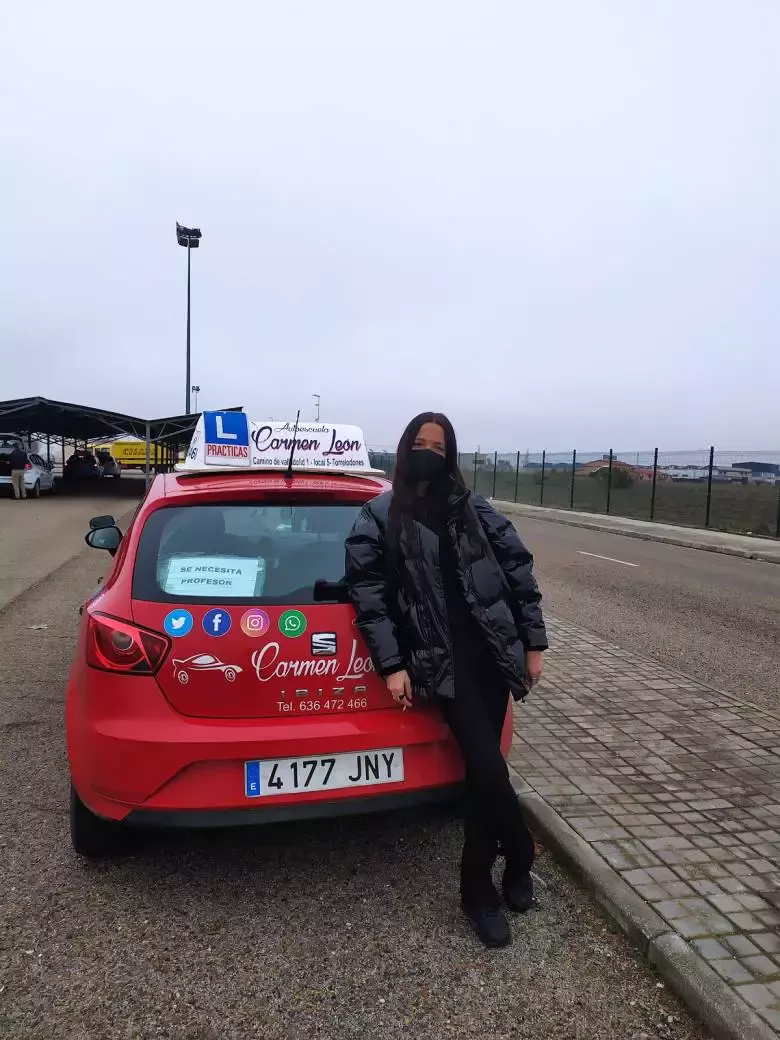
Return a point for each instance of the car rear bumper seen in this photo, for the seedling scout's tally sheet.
(29, 483)
(296, 811)
(133, 756)
(145, 762)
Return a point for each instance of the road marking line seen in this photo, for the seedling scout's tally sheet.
(610, 558)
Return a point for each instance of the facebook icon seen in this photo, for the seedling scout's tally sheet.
(216, 622)
(226, 438)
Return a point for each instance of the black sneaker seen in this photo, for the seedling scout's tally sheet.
(518, 891)
(490, 924)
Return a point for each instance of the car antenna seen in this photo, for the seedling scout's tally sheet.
(289, 471)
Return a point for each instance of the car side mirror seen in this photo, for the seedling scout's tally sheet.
(101, 521)
(331, 591)
(108, 538)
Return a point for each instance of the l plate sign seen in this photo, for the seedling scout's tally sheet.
(226, 438)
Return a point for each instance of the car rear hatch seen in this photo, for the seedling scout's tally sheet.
(233, 586)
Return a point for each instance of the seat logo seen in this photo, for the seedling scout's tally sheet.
(323, 644)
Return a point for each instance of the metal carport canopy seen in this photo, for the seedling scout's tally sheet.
(39, 415)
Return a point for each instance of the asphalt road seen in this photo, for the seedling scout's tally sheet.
(711, 616)
(341, 930)
(39, 535)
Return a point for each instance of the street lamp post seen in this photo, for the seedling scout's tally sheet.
(317, 407)
(196, 391)
(190, 239)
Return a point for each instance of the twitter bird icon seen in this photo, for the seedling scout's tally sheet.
(178, 623)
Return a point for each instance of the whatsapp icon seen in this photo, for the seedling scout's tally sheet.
(292, 623)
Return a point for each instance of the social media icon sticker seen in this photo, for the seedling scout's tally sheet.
(178, 623)
(292, 623)
(255, 623)
(217, 622)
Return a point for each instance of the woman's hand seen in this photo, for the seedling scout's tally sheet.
(534, 666)
(400, 688)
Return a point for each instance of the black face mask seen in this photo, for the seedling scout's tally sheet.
(425, 464)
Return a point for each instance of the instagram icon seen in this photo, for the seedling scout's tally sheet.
(255, 623)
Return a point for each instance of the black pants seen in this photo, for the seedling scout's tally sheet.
(494, 819)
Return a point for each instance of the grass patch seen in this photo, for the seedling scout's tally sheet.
(738, 508)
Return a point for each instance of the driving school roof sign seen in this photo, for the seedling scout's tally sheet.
(230, 439)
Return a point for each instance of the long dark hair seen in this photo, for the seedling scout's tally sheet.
(403, 489)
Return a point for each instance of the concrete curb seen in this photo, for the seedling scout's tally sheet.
(539, 513)
(713, 1000)
(708, 996)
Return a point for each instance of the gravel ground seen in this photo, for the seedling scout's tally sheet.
(342, 930)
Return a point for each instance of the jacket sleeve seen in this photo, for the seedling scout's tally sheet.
(517, 564)
(366, 551)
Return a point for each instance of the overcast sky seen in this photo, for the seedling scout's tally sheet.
(557, 221)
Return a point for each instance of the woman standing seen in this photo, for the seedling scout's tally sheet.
(450, 610)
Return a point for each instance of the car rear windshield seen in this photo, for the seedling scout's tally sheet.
(241, 553)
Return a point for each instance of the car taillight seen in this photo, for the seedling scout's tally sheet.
(28, 465)
(118, 646)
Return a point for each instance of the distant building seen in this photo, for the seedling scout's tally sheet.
(722, 474)
(760, 472)
(637, 472)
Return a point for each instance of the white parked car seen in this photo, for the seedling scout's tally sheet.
(38, 476)
(109, 466)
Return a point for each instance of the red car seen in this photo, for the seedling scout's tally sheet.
(219, 677)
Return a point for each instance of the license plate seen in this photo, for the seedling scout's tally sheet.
(264, 779)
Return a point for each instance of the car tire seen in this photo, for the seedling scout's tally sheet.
(92, 836)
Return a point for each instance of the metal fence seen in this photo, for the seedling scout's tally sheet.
(736, 491)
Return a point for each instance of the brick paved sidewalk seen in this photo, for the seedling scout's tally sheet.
(677, 787)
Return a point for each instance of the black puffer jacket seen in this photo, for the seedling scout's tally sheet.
(403, 616)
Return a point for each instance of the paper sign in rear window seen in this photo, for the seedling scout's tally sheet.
(214, 576)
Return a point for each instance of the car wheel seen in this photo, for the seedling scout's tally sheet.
(183, 678)
(92, 836)
(230, 674)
